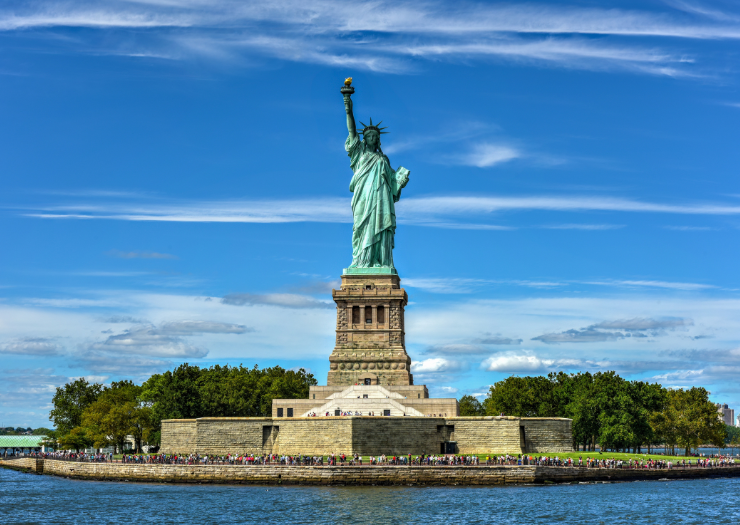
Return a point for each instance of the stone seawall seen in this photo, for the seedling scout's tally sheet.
(26, 464)
(364, 475)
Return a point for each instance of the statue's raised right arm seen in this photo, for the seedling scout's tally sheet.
(351, 127)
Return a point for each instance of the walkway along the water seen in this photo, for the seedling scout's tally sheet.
(355, 475)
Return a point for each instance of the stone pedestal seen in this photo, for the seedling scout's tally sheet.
(370, 346)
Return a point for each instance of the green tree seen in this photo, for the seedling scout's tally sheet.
(51, 440)
(70, 401)
(220, 391)
(77, 439)
(695, 418)
(583, 408)
(733, 437)
(522, 397)
(174, 395)
(116, 414)
(41, 431)
(732, 432)
(470, 406)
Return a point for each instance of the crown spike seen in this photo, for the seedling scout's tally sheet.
(371, 121)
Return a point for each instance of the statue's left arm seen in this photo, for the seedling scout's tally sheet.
(399, 178)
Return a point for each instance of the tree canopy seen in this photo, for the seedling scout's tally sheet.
(70, 401)
(612, 411)
(470, 406)
(93, 415)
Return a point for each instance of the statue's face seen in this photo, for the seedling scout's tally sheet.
(372, 139)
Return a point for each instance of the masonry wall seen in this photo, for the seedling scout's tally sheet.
(482, 435)
(439, 406)
(548, 434)
(228, 435)
(365, 435)
(397, 435)
(314, 435)
(365, 475)
(179, 435)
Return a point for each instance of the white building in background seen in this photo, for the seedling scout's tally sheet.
(726, 414)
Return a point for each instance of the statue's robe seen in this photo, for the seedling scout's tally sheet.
(376, 187)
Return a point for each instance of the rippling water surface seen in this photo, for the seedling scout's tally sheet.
(28, 498)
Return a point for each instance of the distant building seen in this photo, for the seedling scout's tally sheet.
(726, 413)
(12, 445)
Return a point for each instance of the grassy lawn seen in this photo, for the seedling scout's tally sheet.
(616, 455)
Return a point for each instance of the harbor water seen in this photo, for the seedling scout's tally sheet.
(30, 499)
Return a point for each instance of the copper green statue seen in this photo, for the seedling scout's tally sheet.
(376, 187)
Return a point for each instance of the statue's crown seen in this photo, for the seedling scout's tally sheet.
(372, 127)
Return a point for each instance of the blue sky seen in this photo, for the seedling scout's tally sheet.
(175, 187)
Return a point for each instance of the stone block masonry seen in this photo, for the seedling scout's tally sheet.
(370, 335)
(366, 435)
(364, 475)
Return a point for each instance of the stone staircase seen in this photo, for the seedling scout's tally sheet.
(352, 399)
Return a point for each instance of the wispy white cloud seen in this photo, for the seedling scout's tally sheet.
(689, 228)
(667, 321)
(30, 390)
(702, 9)
(654, 284)
(284, 300)
(460, 285)
(140, 255)
(530, 362)
(361, 16)
(615, 330)
(383, 35)
(431, 210)
(516, 363)
(257, 211)
(454, 132)
(487, 155)
(436, 365)
(158, 325)
(490, 204)
(37, 346)
(587, 227)
(103, 273)
(166, 340)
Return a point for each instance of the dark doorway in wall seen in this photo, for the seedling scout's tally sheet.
(266, 434)
(381, 315)
(523, 439)
(355, 315)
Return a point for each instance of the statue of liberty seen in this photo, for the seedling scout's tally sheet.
(376, 187)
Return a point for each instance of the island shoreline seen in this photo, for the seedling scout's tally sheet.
(385, 475)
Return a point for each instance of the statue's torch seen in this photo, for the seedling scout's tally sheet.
(347, 89)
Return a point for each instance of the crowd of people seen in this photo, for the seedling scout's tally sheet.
(715, 461)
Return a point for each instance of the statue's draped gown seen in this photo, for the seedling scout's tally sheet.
(376, 187)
